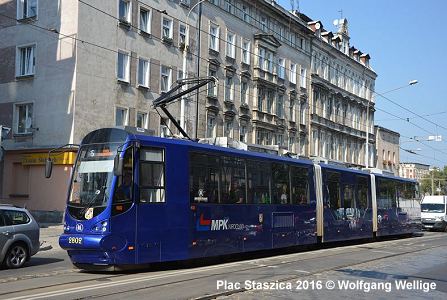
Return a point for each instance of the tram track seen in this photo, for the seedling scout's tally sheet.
(114, 280)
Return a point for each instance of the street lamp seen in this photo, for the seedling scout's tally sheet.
(185, 64)
(411, 82)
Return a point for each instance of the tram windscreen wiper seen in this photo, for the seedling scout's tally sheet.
(92, 201)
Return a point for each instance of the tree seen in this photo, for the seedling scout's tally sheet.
(435, 182)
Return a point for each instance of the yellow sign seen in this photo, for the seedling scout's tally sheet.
(67, 158)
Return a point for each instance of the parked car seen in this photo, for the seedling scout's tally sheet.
(19, 236)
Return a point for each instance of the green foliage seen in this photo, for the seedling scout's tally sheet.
(439, 179)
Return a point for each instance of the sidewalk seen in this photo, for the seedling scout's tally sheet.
(49, 237)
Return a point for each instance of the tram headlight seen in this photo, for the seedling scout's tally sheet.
(102, 226)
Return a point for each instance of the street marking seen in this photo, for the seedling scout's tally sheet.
(302, 271)
(383, 251)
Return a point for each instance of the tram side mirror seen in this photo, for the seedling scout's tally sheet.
(48, 167)
(118, 165)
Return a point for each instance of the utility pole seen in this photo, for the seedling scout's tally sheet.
(432, 184)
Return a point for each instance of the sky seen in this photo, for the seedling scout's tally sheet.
(406, 41)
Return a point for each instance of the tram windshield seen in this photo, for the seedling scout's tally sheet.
(93, 174)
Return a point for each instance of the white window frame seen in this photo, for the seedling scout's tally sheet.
(212, 87)
(261, 57)
(231, 45)
(303, 77)
(229, 6)
(21, 14)
(149, 21)
(169, 78)
(292, 78)
(180, 33)
(281, 68)
(243, 133)
(244, 94)
(229, 90)
(214, 46)
(245, 9)
(146, 75)
(145, 119)
(170, 28)
(210, 130)
(28, 129)
(264, 25)
(245, 51)
(19, 60)
(126, 70)
(229, 128)
(126, 115)
(128, 17)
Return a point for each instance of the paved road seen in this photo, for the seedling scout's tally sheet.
(369, 270)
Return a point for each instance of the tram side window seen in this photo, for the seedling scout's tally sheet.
(152, 176)
(124, 184)
(386, 194)
(259, 179)
(233, 180)
(350, 208)
(363, 197)
(280, 188)
(300, 186)
(332, 201)
(204, 178)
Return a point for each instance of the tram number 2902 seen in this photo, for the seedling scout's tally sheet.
(75, 240)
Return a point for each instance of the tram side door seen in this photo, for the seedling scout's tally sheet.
(151, 204)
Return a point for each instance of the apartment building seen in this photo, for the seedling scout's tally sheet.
(342, 97)
(260, 53)
(387, 154)
(414, 170)
(69, 67)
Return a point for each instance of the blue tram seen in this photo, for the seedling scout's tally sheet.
(136, 199)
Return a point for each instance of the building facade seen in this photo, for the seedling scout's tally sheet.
(415, 171)
(69, 67)
(261, 55)
(341, 98)
(387, 153)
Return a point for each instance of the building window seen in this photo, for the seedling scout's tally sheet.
(212, 87)
(145, 20)
(143, 72)
(124, 11)
(211, 127)
(26, 60)
(280, 106)
(142, 120)
(291, 143)
(292, 110)
(182, 34)
(293, 73)
(303, 77)
(166, 28)
(270, 100)
(229, 89)
(261, 95)
(24, 118)
(245, 13)
(231, 45)
(263, 22)
(244, 92)
(166, 77)
(243, 133)
(123, 68)
(246, 52)
(214, 38)
(261, 53)
(269, 62)
(121, 116)
(229, 5)
(26, 9)
(228, 128)
(281, 68)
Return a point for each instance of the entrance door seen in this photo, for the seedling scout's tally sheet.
(151, 208)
